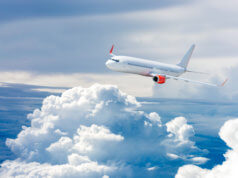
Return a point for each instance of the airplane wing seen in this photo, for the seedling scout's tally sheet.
(193, 81)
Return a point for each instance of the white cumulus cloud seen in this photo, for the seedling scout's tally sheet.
(228, 169)
(178, 143)
(179, 134)
(22, 169)
(95, 132)
(179, 129)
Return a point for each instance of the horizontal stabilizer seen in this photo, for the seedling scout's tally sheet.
(196, 72)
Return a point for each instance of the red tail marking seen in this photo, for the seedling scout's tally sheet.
(111, 49)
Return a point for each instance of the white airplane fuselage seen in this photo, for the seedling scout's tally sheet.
(142, 67)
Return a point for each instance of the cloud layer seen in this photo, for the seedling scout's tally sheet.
(98, 131)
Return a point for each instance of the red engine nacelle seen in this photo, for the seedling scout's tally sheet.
(160, 79)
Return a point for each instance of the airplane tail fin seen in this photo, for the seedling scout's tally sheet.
(184, 62)
(111, 51)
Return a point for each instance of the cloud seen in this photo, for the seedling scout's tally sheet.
(195, 160)
(47, 82)
(34, 169)
(48, 44)
(179, 134)
(199, 160)
(93, 132)
(180, 130)
(228, 168)
(154, 118)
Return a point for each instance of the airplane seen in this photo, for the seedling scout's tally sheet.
(159, 72)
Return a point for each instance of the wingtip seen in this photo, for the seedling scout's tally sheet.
(223, 83)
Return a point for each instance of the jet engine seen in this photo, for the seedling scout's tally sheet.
(160, 79)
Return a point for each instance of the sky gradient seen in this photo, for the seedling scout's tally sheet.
(74, 38)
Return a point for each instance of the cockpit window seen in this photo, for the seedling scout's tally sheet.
(116, 60)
